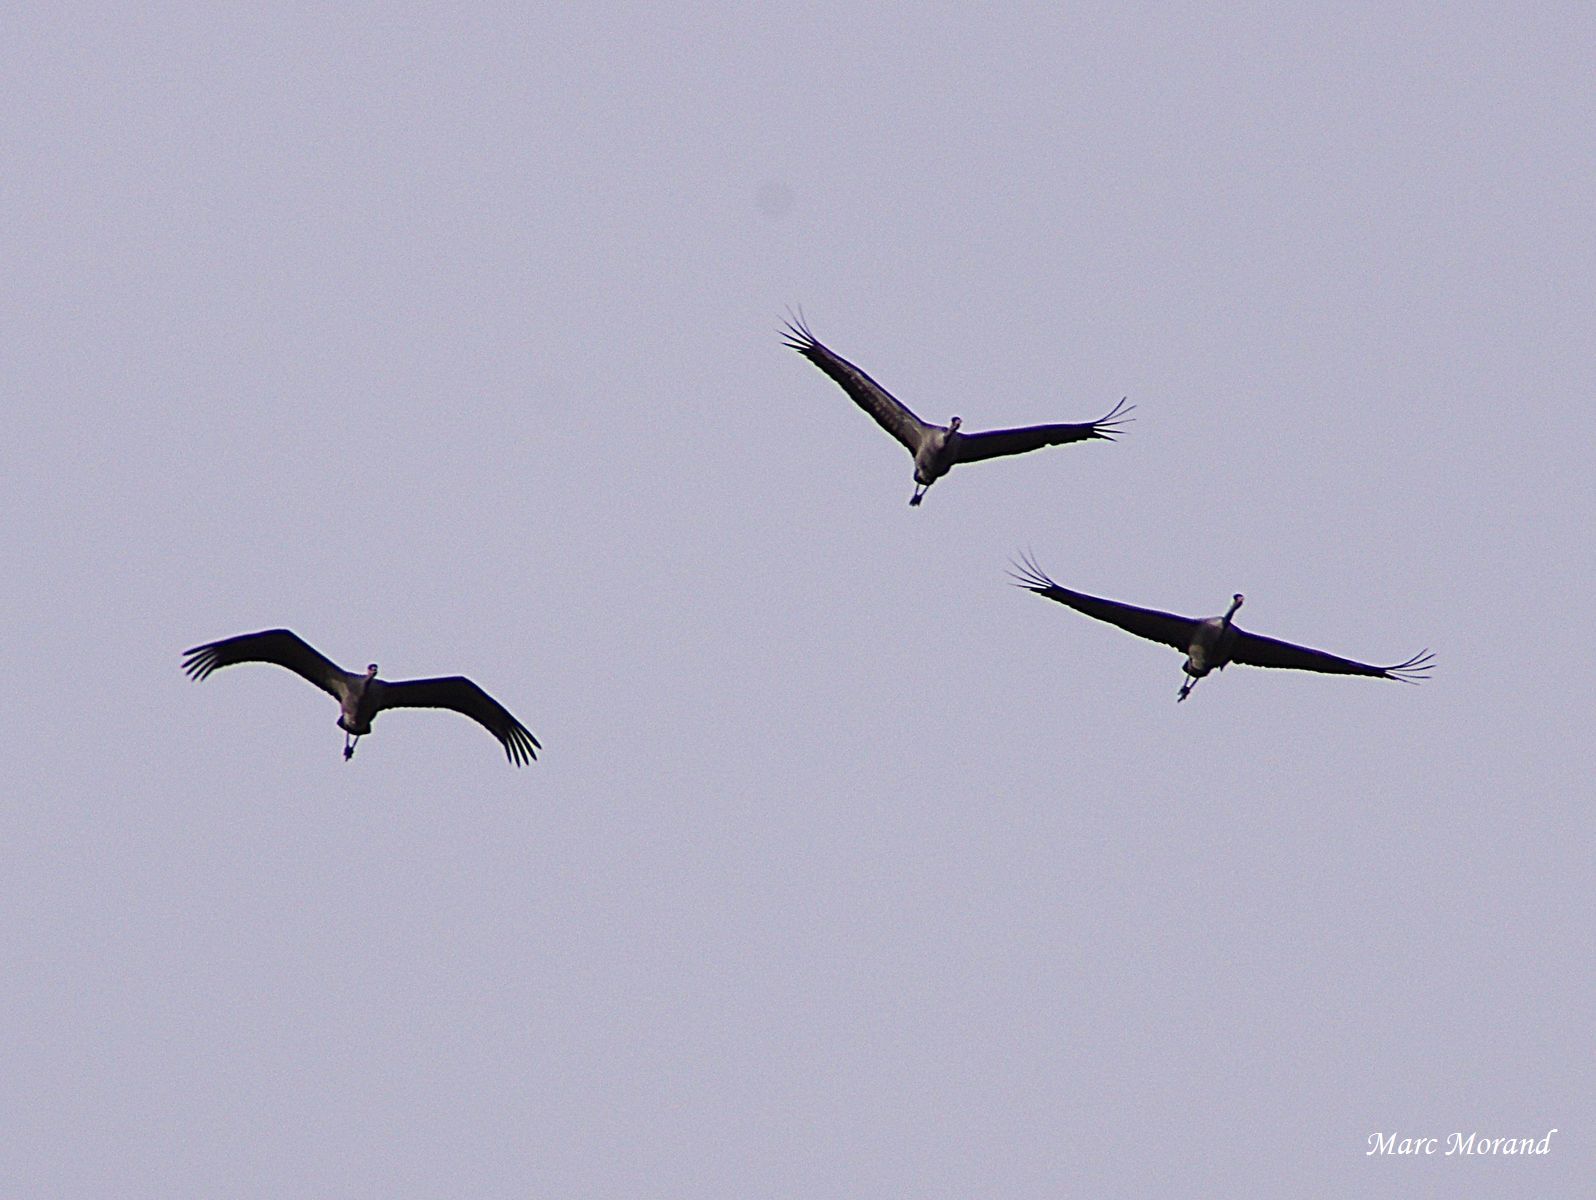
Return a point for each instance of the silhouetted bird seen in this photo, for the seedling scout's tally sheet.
(1213, 643)
(362, 697)
(938, 448)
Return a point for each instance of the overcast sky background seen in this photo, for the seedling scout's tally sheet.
(451, 341)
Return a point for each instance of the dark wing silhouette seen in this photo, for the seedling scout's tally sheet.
(460, 694)
(1255, 650)
(973, 447)
(1143, 622)
(280, 646)
(866, 392)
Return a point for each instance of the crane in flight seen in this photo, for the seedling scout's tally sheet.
(938, 448)
(1212, 643)
(362, 696)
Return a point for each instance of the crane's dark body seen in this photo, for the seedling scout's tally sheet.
(1212, 643)
(937, 449)
(362, 696)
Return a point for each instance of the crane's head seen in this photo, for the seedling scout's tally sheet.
(954, 423)
(1236, 602)
(371, 670)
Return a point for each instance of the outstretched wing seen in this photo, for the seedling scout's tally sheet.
(280, 646)
(1255, 650)
(1149, 623)
(994, 443)
(460, 694)
(869, 395)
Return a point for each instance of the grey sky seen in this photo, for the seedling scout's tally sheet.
(452, 342)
